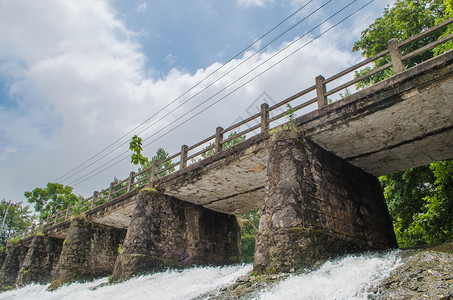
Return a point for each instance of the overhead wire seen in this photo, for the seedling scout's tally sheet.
(66, 177)
(206, 87)
(242, 85)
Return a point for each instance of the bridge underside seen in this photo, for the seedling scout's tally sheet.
(402, 122)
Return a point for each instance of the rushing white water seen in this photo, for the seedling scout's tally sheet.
(346, 278)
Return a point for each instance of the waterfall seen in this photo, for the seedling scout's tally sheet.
(347, 278)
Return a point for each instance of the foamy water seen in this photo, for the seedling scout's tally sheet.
(346, 278)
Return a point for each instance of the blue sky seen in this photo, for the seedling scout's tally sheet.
(77, 75)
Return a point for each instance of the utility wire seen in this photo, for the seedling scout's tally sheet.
(205, 88)
(236, 89)
(179, 97)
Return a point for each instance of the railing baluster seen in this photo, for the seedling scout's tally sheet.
(321, 91)
(153, 176)
(183, 159)
(93, 201)
(264, 117)
(218, 139)
(110, 191)
(131, 181)
(395, 54)
(68, 209)
(56, 217)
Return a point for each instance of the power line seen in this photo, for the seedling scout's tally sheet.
(204, 88)
(179, 97)
(80, 180)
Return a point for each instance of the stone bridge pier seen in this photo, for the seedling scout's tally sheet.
(166, 232)
(316, 206)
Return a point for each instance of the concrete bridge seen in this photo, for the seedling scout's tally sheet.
(314, 181)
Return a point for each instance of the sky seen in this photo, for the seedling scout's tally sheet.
(78, 76)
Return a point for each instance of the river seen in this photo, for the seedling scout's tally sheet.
(349, 277)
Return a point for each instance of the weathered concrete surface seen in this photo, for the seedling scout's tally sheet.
(316, 206)
(89, 251)
(117, 213)
(166, 232)
(11, 266)
(231, 181)
(402, 122)
(42, 257)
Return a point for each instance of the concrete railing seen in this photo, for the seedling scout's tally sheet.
(263, 121)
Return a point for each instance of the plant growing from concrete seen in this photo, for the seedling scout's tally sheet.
(291, 115)
(78, 211)
(120, 249)
(15, 240)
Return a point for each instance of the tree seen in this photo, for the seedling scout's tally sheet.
(18, 218)
(250, 222)
(137, 158)
(53, 197)
(420, 200)
(405, 19)
(136, 146)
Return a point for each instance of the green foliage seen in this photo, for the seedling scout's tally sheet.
(291, 115)
(250, 222)
(420, 203)
(15, 240)
(405, 19)
(137, 158)
(52, 198)
(136, 146)
(120, 249)
(161, 155)
(17, 218)
(78, 209)
(226, 145)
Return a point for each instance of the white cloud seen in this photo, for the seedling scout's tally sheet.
(251, 3)
(142, 7)
(170, 59)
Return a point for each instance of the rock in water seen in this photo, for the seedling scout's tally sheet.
(425, 274)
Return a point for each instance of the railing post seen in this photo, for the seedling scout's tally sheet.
(131, 181)
(218, 139)
(93, 201)
(183, 159)
(56, 217)
(397, 57)
(321, 91)
(153, 174)
(68, 209)
(110, 191)
(264, 117)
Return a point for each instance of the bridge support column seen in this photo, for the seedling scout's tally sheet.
(89, 251)
(12, 264)
(41, 259)
(166, 232)
(316, 206)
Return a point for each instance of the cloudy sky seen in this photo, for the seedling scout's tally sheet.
(78, 76)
